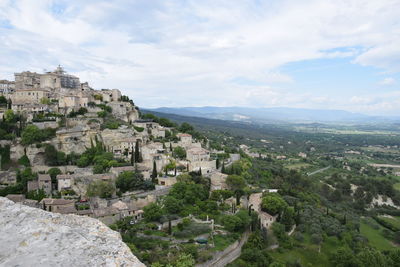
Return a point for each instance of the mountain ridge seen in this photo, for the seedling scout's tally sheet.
(276, 114)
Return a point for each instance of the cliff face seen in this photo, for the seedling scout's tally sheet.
(33, 237)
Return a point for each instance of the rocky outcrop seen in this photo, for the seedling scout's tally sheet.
(33, 237)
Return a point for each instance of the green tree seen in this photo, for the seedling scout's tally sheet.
(138, 157)
(172, 205)
(179, 152)
(154, 173)
(185, 260)
(103, 189)
(9, 116)
(235, 182)
(36, 194)
(344, 257)
(287, 218)
(24, 160)
(32, 134)
(53, 172)
(152, 212)
(129, 181)
(273, 203)
(186, 128)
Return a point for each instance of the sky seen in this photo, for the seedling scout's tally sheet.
(319, 54)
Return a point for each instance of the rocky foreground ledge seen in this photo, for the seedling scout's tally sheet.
(33, 237)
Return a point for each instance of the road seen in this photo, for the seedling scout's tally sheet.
(318, 171)
(228, 255)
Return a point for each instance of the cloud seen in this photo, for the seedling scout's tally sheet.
(388, 81)
(198, 52)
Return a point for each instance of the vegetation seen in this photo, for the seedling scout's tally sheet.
(32, 134)
(99, 188)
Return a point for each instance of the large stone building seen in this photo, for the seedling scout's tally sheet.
(58, 79)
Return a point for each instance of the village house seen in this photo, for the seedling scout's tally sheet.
(32, 186)
(118, 170)
(8, 177)
(44, 182)
(149, 150)
(63, 206)
(166, 181)
(64, 181)
(185, 139)
(30, 95)
(218, 181)
(196, 154)
(6, 88)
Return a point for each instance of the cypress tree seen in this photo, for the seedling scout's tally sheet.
(223, 167)
(132, 157)
(217, 163)
(154, 173)
(170, 146)
(175, 170)
(137, 152)
(200, 171)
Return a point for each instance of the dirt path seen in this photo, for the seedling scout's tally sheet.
(318, 171)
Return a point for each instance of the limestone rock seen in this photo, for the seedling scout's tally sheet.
(33, 237)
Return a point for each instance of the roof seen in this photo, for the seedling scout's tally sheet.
(64, 176)
(57, 201)
(66, 209)
(105, 212)
(102, 176)
(44, 177)
(16, 197)
(123, 168)
(30, 90)
(184, 135)
(84, 212)
(197, 150)
(120, 205)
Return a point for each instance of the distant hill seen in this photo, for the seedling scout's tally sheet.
(276, 115)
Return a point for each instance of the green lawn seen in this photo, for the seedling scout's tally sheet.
(308, 254)
(223, 241)
(375, 238)
(397, 186)
(395, 220)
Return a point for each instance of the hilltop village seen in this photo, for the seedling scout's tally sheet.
(68, 148)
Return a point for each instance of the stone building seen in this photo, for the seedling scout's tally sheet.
(63, 206)
(30, 95)
(64, 181)
(6, 88)
(58, 79)
(27, 80)
(185, 139)
(44, 181)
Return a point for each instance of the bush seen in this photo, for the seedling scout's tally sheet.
(24, 160)
(32, 134)
(102, 114)
(138, 129)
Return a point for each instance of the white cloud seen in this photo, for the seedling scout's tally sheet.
(388, 81)
(188, 53)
